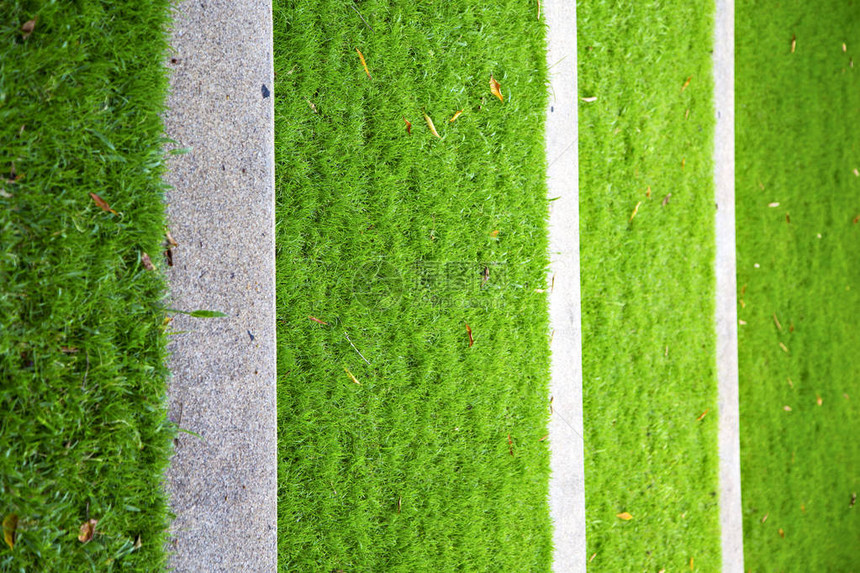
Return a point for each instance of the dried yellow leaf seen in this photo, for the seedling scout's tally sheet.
(456, 115)
(10, 525)
(87, 531)
(635, 210)
(351, 377)
(818, 400)
(496, 88)
(363, 63)
(431, 126)
(793, 43)
(686, 84)
(625, 516)
(705, 413)
(589, 99)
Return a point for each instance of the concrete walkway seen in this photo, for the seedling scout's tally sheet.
(223, 485)
(567, 482)
(731, 518)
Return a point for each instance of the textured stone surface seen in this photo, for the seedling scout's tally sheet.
(567, 484)
(731, 518)
(223, 486)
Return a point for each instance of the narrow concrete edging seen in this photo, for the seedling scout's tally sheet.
(567, 481)
(731, 517)
(223, 484)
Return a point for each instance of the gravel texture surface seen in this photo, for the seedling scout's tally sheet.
(223, 484)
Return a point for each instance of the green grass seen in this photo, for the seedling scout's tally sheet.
(385, 236)
(798, 145)
(83, 430)
(648, 285)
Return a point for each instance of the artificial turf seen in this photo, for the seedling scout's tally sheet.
(83, 429)
(648, 284)
(403, 446)
(798, 235)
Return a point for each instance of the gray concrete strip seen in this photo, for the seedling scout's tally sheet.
(731, 518)
(223, 485)
(567, 482)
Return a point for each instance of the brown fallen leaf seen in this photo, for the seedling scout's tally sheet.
(170, 240)
(28, 27)
(776, 322)
(494, 234)
(818, 400)
(510, 444)
(666, 199)
(624, 515)
(456, 115)
(68, 349)
(591, 99)
(10, 526)
(857, 219)
(781, 533)
(318, 321)
(147, 262)
(496, 88)
(648, 192)
(102, 203)
(87, 531)
(168, 254)
(469, 332)
(705, 413)
(793, 43)
(763, 519)
(686, 84)
(635, 210)
(431, 126)
(408, 125)
(803, 507)
(788, 218)
(351, 377)
(138, 543)
(363, 63)
(853, 499)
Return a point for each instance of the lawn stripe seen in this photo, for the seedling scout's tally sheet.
(567, 480)
(731, 518)
(223, 486)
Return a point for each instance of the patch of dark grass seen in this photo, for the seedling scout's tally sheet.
(798, 196)
(648, 284)
(397, 241)
(83, 430)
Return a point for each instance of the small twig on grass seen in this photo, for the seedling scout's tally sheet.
(362, 17)
(356, 349)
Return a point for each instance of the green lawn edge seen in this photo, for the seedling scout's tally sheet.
(648, 285)
(433, 458)
(84, 433)
(798, 198)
